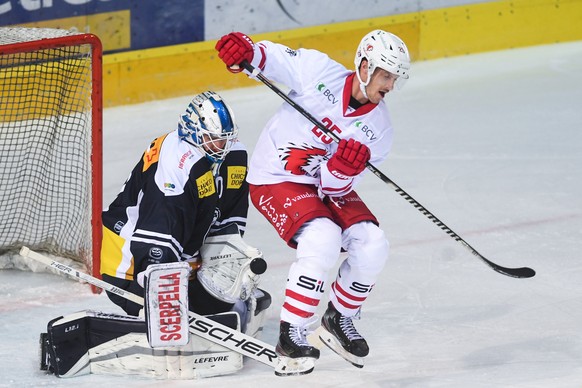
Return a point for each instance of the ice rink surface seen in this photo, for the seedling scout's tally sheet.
(489, 143)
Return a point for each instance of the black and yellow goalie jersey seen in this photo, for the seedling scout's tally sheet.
(169, 204)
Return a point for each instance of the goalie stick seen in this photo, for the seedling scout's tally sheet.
(199, 325)
(522, 272)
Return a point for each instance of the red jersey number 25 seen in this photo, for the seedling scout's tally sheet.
(330, 126)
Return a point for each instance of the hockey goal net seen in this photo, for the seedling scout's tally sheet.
(50, 145)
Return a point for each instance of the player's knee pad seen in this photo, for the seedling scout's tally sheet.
(367, 247)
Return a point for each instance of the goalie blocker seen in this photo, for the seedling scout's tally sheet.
(166, 304)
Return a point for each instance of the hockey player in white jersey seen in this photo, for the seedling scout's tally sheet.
(303, 182)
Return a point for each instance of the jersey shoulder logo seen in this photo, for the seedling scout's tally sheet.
(152, 154)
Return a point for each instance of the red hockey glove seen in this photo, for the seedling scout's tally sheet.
(234, 48)
(350, 158)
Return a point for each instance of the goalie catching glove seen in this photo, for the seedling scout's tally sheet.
(230, 268)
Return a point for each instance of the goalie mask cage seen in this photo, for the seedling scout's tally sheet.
(51, 143)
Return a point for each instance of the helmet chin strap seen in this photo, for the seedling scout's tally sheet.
(362, 83)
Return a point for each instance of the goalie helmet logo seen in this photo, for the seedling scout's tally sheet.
(303, 159)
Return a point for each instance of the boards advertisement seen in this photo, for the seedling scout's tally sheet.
(122, 25)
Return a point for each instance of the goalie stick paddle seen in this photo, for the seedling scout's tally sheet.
(199, 325)
(522, 272)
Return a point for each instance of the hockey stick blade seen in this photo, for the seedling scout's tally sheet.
(520, 273)
(199, 325)
(523, 272)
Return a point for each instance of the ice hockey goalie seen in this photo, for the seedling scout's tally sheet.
(103, 343)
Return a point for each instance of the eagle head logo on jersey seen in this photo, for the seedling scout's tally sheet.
(302, 159)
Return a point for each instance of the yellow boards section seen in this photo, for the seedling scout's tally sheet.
(496, 25)
(112, 28)
(45, 83)
(147, 75)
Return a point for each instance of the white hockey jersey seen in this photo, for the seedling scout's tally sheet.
(292, 149)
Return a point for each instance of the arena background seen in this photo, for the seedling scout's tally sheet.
(161, 49)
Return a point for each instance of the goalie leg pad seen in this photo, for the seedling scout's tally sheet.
(65, 347)
(99, 343)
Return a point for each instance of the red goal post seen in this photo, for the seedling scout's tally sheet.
(50, 144)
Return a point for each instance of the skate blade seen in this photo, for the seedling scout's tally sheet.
(331, 342)
(294, 366)
(313, 338)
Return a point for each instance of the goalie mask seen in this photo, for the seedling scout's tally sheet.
(386, 51)
(209, 125)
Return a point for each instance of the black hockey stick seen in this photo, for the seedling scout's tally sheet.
(523, 272)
